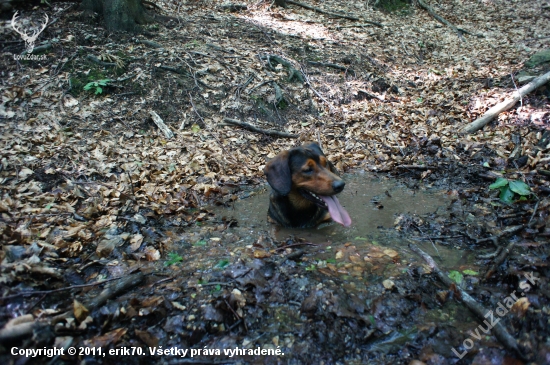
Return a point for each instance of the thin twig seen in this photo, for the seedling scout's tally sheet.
(533, 215)
(295, 245)
(40, 292)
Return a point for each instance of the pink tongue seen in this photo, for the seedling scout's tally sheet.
(337, 212)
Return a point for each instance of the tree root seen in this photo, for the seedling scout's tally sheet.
(273, 60)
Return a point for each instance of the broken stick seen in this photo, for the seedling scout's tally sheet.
(506, 104)
(500, 332)
(163, 127)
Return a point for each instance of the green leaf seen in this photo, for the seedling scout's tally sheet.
(470, 272)
(222, 264)
(331, 261)
(372, 320)
(419, 100)
(486, 164)
(103, 82)
(218, 287)
(311, 268)
(195, 128)
(98, 90)
(456, 277)
(360, 238)
(519, 187)
(506, 195)
(88, 86)
(200, 243)
(499, 183)
(173, 258)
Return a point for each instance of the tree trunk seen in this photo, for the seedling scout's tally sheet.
(125, 15)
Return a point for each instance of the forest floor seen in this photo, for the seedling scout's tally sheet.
(93, 192)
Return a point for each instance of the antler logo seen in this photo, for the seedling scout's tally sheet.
(29, 39)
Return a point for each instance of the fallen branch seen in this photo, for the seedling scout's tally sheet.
(499, 330)
(506, 104)
(163, 127)
(269, 132)
(442, 20)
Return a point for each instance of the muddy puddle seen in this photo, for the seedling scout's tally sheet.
(376, 206)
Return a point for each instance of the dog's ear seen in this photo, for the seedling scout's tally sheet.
(278, 175)
(315, 148)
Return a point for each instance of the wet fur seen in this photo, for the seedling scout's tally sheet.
(285, 173)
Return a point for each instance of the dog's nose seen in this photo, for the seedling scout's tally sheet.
(338, 186)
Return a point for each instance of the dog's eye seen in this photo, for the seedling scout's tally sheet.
(308, 170)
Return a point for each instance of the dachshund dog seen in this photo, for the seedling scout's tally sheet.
(304, 186)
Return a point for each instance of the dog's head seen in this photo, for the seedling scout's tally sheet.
(306, 171)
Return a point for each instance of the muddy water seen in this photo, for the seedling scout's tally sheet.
(374, 205)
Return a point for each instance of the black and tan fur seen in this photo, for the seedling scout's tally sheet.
(293, 176)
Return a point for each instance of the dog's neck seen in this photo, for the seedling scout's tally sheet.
(295, 211)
